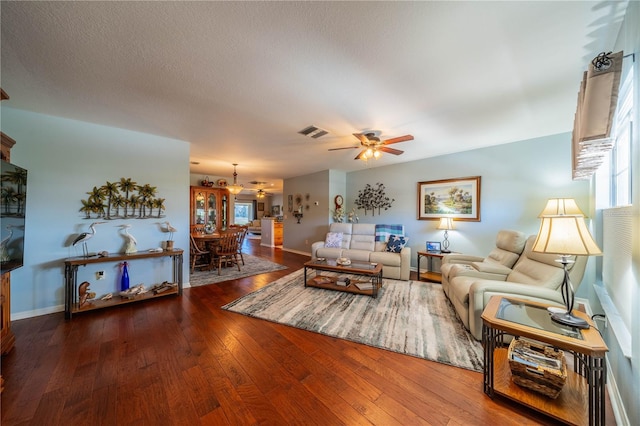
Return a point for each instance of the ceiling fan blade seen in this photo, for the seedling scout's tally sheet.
(362, 138)
(398, 139)
(346, 147)
(390, 150)
(360, 156)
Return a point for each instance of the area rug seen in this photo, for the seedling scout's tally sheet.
(252, 266)
(410, 317)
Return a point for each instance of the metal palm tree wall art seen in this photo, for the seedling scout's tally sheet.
(122, 200)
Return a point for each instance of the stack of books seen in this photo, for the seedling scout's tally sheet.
(320, 279)
(367, 285)
(343, 281)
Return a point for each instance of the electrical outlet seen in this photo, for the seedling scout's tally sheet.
(306, 242)
(100, 275)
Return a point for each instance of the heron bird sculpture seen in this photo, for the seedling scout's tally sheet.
(170, 230)
(4, 254)
(86, 236)
(132, 243)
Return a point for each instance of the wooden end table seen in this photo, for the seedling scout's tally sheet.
(430, 274)
(582, 399)
(372, 272)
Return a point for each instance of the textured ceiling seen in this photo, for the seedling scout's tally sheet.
(238, 80)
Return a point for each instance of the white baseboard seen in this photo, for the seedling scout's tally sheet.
(296, 251)
(37, 312)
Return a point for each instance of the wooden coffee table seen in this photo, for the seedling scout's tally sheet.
(371, 273)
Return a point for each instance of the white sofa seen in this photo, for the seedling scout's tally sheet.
(358, 244)
(255, 227)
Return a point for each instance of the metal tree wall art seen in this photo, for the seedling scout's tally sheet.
(124, 199)
(372, 198)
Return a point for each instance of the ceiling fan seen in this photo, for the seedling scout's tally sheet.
(373, 147)
(260, 193)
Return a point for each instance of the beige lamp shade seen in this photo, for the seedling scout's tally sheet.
(565, 235)
(446, 223)
(561, 207)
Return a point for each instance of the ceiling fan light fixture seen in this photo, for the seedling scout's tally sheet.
(377, 154)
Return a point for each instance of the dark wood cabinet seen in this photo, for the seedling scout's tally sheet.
(209, 207)
(7, 338)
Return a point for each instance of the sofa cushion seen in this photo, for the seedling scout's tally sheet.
(512, 241)
(396, 243)
(531, 272)
(492, 268)
(346, 229)
(329, 253)
(362, 242)
(357, 255)
(386, 258)
(502, 257)
(459, 288)
(333, 240)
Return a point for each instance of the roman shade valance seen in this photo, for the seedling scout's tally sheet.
(597, 101)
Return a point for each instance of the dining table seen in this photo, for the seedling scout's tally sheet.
(207, 241)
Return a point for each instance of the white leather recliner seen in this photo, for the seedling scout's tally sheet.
(496, 266)
(535, 276)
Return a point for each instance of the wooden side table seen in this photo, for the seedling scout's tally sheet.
(430, 274)
(582, 399)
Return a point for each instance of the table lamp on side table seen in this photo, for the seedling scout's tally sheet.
(446, 223)
(563, 231)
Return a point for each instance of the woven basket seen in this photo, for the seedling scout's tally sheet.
(542, 378)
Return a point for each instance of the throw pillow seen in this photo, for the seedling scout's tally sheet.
(396, 243)
(333, 240)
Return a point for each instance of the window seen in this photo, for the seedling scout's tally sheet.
(243, 213)
(620, 160)
(613, 197)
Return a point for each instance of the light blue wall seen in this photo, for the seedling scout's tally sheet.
(516, 181)
(65, 159)
(298, 237)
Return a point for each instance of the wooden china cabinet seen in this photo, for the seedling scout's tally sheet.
(7, 339)
(209, 206)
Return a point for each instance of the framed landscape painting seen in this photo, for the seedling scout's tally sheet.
(456, 198)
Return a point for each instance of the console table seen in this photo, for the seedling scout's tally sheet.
(582, 399)
(71, 304)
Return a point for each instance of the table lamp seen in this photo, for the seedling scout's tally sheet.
(446, 223)
(563, 231)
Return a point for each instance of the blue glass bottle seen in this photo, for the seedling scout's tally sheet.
(124, 281)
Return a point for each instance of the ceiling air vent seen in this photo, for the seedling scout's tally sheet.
(313, 132)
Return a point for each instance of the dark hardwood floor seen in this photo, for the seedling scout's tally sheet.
(184, 361)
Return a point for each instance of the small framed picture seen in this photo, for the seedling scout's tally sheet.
(260, 207)
(433, 246)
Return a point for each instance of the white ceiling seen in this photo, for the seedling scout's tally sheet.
(238, 80)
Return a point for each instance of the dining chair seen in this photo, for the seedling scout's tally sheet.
(242, 233)
(199, 258)
(227, 250)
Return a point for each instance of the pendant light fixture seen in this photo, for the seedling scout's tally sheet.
(236, 188)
